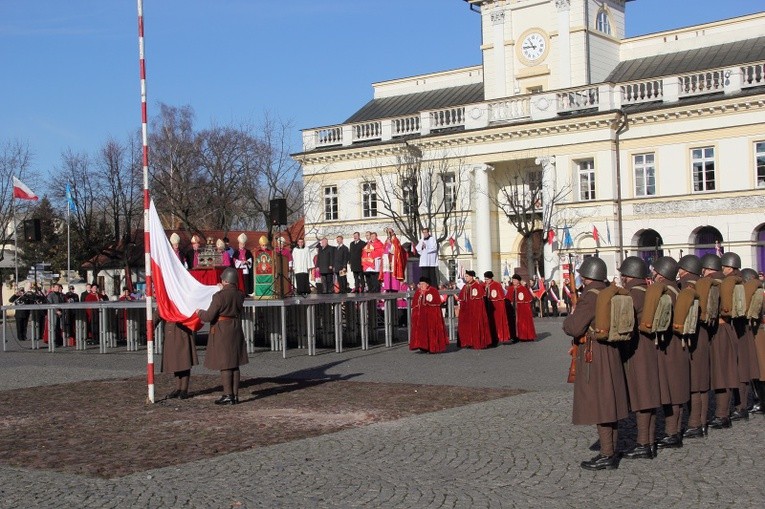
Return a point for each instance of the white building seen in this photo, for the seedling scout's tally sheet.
(656, 141)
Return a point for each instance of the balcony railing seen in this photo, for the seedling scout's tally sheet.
(542, 106)
(702, 83)
(642, 92)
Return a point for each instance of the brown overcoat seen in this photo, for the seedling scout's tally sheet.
(674, 364)
(178, 351)
(722, 351)
(600, 394)
(225, 346)
(641, 362)
(698, 346)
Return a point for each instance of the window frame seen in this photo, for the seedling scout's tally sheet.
(369, 206)
(581, 169)
(759, 164)
(603, 22)
(450, 191)
(703, 163)
(331, 205)
(643, 167)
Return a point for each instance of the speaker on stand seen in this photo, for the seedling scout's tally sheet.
(278, 217)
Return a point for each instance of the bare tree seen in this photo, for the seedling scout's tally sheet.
(273, 174)
(176, 180)
(423, 193)
(528, 206)
(119, 171)
(15, 160)
(89, 221)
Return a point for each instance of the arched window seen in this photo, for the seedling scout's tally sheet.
(650, 246)
(602, 24)
(708, 240)
(759, 248)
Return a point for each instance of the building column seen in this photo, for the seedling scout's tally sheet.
(564, 43)
(481, 231)
(548, 195)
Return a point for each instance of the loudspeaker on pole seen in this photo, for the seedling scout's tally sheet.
(278, 212)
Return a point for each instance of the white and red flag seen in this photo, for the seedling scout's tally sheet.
(21, 191)
(177, 293)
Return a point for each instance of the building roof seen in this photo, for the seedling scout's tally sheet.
(701, 59)
(409, 104)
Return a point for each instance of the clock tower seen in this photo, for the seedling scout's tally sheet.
(535, 45)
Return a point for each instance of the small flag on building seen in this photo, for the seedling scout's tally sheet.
(608, 233)
(568, 242)
(595, 233)
(468, 245)
(550, 236)
(21, 191)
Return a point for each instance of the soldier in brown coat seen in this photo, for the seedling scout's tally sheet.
(746, 366)
(752, 285)
(689, 270)
(674, 363)
(178, 355)
(722, 355)
(225, 347)
(600, 395)
(641, 364)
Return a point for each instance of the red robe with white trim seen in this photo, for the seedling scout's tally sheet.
(495, 295)
(522, 298)
(428, 330)
(473, 323)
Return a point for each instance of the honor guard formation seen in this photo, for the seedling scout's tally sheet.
(677, 336)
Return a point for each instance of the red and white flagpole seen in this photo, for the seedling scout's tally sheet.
(146, 201)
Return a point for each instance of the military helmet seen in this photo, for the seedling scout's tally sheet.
(229, 276)
(711, 261)
(749, 274)
(730, 260)
(634, 266)
(666, 266)
(690, 263)
(593, 268)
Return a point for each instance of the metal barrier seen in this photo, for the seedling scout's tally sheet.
(304, 323)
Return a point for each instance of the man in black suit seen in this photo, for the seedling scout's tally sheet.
(342, 257)
(357, 245)
(325, 259)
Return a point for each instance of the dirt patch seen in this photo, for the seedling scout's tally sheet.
(106, 429)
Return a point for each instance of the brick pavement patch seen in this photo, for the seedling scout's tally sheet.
(106, 429)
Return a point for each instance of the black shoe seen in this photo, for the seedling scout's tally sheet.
(698, 432)
(719, 423)
(670, 442)
(176, 393)
(757, 408)
(740, 415)
(183, 395)
(236, 399)
(601, 462)
(641, 452)
(226, 399)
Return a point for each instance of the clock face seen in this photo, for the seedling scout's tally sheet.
(533, 46)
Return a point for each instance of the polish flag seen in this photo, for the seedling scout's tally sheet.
(551, 237)
(595, 233)
(177, 293)
(21, 191)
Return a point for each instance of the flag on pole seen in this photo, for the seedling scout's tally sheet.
(568, 242)
(468, 245)
(178, 294)
(451, 243)
(595, 234)
(69, 199)
(541, 288)
(608, 233)
(507, 270)
(21, 191)
(550, 236)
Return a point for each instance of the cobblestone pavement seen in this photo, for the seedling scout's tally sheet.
(519, 451)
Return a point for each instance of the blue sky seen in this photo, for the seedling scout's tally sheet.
(70, 68)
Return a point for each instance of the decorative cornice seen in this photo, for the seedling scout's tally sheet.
(604, 120)
(563, 5)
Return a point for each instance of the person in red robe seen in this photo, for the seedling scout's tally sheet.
(473, 324)
(428, 333)
(521, 298)
(495, 297)
(394, 266)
